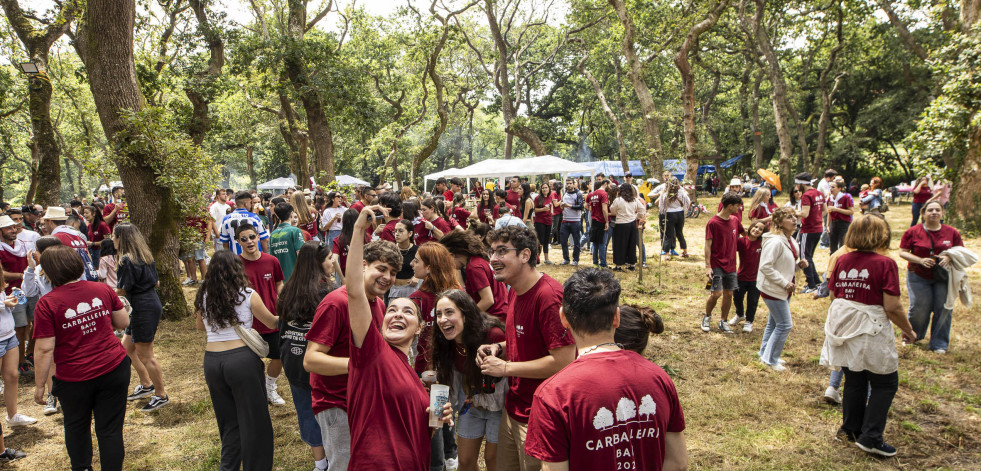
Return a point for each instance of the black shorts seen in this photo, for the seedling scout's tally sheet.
(597, 230)
(272, 338)
(143, 326)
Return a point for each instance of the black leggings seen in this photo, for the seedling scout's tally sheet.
(544, 233)
(865, 404)
(748, 290)
(674, 229)
(625, 243)
(836, 233)
(236, 382)
(105, 398)
(808, 242)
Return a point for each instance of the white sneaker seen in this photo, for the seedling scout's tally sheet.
(188, 282)
(20, 419)
(271, 395)
(706, 324)
(831, 396)
(748, 327)
(736, 320)
(51, 405)
(778, 367)
(452, 464)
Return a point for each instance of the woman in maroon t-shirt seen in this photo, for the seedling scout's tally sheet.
(389, 415)
(434, 266)
(432, 226)
(478, 399)
(470, 256)
(748, 247)
(922, 192)
(73, 324)
(457, 212)
(864, 287)
(98, 230)
(487, 211)
(922, 246)
(543, 216)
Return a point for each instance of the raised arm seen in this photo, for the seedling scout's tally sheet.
(359, 311)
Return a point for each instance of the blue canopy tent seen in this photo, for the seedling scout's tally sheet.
(703, 169)
(611, 168)
(729, 163)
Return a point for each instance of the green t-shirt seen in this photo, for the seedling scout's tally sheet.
(284, 243)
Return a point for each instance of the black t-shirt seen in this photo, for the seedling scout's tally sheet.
(293, 346)
(136, 278)
(407, 255)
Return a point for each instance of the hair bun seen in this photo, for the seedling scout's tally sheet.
(652, 320)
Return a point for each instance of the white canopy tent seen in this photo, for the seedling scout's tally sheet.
(497, 168)
(347, 180)
(281, 183)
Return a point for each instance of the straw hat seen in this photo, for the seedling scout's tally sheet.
(736, 182)
(5, 221)
(55, 213)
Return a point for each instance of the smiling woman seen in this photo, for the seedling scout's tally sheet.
(389, 415)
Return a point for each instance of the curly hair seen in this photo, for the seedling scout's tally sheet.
(442, 269)
(383, 251)
(307, 286)
(476, 325)
(464, 243)
(224, 288)
(779, 215)
(520, 237)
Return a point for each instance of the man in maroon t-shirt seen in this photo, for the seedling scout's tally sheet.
(630, 419)
(266, 277)
(513, 197)
(456, 186)
(599, 212)
(328, 349)
(720, 260)
(537, 345)
(812, 211)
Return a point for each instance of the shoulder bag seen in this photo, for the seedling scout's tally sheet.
(252, 340)
(940, 273)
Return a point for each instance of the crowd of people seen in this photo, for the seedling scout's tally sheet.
(389, 293)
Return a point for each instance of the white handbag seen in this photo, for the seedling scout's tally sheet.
(253, 340)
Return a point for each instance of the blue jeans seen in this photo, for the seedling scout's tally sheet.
(836, 377)
(331, 235)
(309, 429)
(916, 213)
(574, 229)
(584, 240)
(927, 297)
(777, 329)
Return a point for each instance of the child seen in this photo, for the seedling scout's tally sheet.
(107, 263)
(863, 194)
(748, 247)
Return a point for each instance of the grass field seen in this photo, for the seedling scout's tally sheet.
(739, 414)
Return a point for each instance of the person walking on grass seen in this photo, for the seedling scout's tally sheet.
(296, 306)
(779, 261)
(571, 427)
(749, 247)
(232, 371)
(673, 203)
(93, 367)
(266, 278)
(859, 339)
(923, 246)
(136, 278)
(720, 260)
(536, 344)
(812, 209)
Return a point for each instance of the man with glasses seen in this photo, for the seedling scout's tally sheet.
(266, 277)
(536, 344)
(242, 216)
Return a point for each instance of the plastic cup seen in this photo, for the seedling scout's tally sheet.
(439, 394)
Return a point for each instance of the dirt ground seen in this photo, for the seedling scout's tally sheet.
(739, 414)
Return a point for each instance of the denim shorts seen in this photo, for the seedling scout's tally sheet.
(7, 345)
(724, 281)
(198, 253)
(309, 429)
(479, 423)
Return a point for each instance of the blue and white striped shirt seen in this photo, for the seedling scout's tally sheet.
(232, 221)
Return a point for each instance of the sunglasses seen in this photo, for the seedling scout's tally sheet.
(248, 238)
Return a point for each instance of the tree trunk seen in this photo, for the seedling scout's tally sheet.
(635, 73)
(198, 89)
(318, 128)
(780, 112)
(757, 132)
(38, 43)
(108, 58)
(904, 35)
(966, 194)
(621, 145)
(827, 98)
(688, 84)
(250, 164)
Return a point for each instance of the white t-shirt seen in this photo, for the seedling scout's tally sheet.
(29, 238)
(329, 214)
(824, 187)
(218, 211)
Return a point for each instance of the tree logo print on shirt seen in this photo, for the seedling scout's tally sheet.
(626, 412)
(854, 274)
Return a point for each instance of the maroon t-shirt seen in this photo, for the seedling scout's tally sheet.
(618, 422)
(12, 264)
(357, 206)
(749, 257)
(723, 235)
(842, 201)
(863, 277)
(739, 214)
(763, 211)
(426, 302)
(596, 200)
(494, 335)
(917, 240)
(533, 328)
(923, 195)
(387, 232)
(424, 235)
(387, 408)
(812, 223)
(513, 198)
(263, 275)
(448, 195)
(97, 233)
(460, 216)
(340, 249)
(545, 217)
(332, 326)
(79, 317)
(487, 215)
(478, 275)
